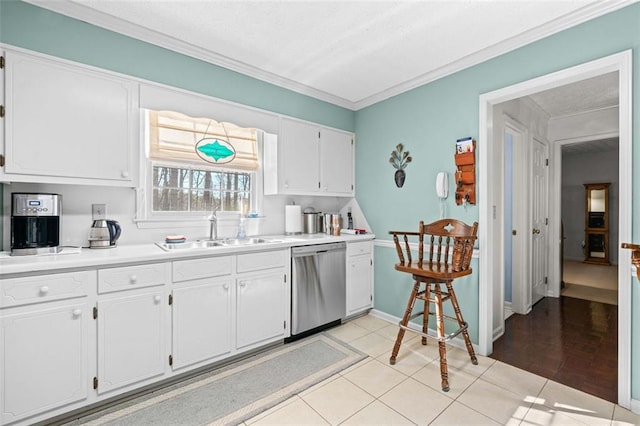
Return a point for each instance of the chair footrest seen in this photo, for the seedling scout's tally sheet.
(444, 338)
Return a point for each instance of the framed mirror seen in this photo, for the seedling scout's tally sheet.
(597, 223)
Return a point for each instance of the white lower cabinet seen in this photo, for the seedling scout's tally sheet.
(131, 339)
(43, 359)
(45, 345)
(359, 277)
(261, 309)
(201, 321)
(77, 338)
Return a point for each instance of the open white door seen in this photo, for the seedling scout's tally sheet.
(539, 219)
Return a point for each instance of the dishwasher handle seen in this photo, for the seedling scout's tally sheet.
(299, 251)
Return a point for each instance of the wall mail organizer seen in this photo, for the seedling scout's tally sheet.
(465, 171)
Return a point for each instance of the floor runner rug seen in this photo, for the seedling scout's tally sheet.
(239, 391)
(590, 293)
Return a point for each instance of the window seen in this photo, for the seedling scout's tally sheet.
(185, 189)
(199, 165)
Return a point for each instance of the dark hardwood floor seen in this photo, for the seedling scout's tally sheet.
(570, 341)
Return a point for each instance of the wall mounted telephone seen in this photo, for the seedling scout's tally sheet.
(442, 185)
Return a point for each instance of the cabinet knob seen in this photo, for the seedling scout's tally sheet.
(243, 284)
(133, 279)
(44, 289)
(157, 299)
(77, 312)
(225, 286)
(124, 174)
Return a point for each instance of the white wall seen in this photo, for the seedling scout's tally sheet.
(121, 206)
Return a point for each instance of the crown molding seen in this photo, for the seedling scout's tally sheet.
(84, 13)
(121, 26)
(560, 24)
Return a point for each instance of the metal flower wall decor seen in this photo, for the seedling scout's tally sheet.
(399, 161)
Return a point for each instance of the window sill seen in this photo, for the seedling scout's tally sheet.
(170, 222)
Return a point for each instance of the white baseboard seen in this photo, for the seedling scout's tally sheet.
(508, 310)
(635, 406)
(457, 342)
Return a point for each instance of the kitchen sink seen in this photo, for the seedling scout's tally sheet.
(190, 245)
(201, 244)
(243, 241)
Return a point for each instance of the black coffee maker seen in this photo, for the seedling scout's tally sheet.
(35, 223)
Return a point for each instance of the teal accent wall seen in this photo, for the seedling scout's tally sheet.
(428, 120)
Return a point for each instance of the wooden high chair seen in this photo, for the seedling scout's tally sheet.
(450, 247)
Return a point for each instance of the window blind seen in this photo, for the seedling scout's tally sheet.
(174, 137)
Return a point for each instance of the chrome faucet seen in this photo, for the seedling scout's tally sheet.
(213, 223)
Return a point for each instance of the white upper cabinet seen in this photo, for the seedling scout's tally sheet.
(68, 123)
(336, 162)
(309, 159)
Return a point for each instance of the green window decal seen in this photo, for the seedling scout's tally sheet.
(215, 151)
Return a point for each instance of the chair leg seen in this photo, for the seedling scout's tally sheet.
(442, 347)
(461, 323)
(425, 316)
(404, 322)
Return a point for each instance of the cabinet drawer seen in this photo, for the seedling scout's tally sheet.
(130, 277)
(185, 270)
(355, 249)
(262, 260)
(44, 288)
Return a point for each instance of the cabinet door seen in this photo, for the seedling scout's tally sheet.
(201, 317)
(131, 345)
(66, 122)
(298, 164)
(43, 359)
(336, 162)
(261, 308)
(359, 284)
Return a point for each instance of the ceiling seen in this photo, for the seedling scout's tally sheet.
(586, 95)
(351, 53)
(590, 147)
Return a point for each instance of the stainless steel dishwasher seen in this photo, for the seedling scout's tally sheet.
(318, 293)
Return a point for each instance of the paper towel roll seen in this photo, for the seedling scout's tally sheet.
(292, 219)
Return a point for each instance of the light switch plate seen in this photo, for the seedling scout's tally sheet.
(98, 211)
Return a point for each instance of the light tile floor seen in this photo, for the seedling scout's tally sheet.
(373, 392)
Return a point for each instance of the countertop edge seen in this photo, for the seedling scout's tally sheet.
(13, 266)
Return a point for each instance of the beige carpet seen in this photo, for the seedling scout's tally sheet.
(598, 283)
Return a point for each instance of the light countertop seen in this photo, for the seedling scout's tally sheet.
(141, 253)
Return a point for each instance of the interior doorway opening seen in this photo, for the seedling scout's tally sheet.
(492, 230)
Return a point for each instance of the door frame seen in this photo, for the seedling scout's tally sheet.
(490, 195)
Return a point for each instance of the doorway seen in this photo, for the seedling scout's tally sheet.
(590, 168)
(491, 232)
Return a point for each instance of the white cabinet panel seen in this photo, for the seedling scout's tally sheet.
(336, 162)
(131, 277)
(359, 277)
(68, 122)
(131, 339)
(298, 164)
(201, 318)
(45, 288)
(260, 308)
(262, 260)
(185, 270)
(309, 159)
(43, 359)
